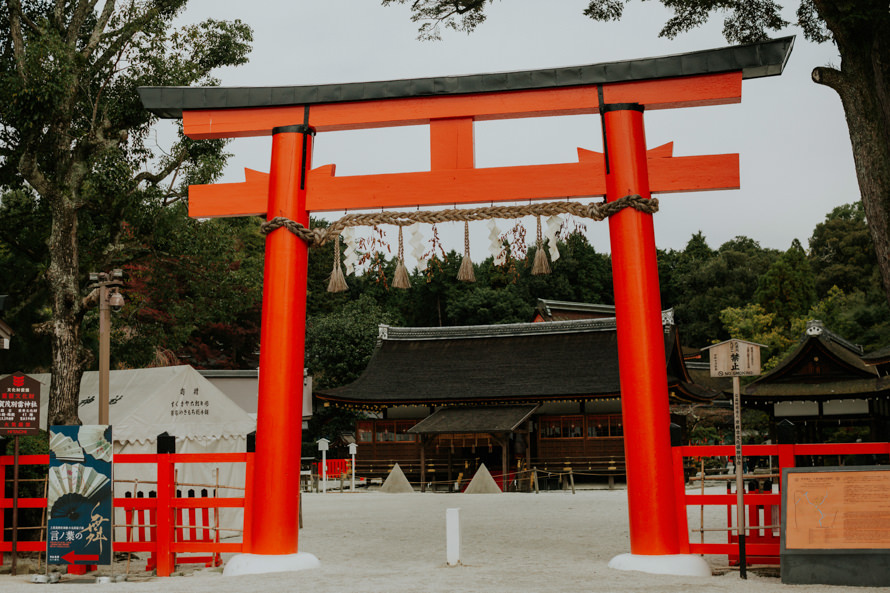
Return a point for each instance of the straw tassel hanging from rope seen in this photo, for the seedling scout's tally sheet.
(401, 279)
(541, 265)
(317, 237)
(466, 272)
(337, 282)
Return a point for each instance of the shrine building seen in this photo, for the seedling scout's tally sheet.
(442, 400)
(828, 389)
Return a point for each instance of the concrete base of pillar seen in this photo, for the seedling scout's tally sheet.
(261, 563)
(677, 564)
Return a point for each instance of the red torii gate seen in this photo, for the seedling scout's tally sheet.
(618, 91)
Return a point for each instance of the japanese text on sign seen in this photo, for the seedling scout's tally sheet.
(735, 358)
(832, 510)
(19, 405)
(190, 405)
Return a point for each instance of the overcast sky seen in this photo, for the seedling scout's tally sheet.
(796, 161)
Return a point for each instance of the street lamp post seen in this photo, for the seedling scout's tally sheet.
(110, 299)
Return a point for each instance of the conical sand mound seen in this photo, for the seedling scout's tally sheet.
(396, 482)
(483, 483)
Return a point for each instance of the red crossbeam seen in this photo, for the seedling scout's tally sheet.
(686, 91)
(453, 178)
(465, 186)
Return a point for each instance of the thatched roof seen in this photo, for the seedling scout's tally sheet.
(501, 364)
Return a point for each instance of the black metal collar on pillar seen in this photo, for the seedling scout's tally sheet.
(605, 108)
(305, 129)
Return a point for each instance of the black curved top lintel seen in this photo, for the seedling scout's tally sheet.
(765, 58)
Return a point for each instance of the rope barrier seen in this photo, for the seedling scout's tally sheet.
(318, 236)
(519, 475)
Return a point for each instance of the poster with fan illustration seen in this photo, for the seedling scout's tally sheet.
(79, 495)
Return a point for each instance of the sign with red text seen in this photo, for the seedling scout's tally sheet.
(19, 405)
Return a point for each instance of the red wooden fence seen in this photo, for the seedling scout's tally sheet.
(166, 525)
(761, 543)
(335, 468)
(23, 503)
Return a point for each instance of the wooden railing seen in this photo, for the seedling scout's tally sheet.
(165, 525)
(762, 509)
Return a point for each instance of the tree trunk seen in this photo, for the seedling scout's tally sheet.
(67, 355)
(863, 83)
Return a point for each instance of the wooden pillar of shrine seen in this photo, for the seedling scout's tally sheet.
(276, 478)
(642, 367)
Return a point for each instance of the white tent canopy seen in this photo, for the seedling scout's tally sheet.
(144, 403)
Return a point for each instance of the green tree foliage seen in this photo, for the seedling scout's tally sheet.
(798, 287)
(73, 139)
(580, 274)
(339, 344)
(321, 262)
(675, 267)
(729, 278)
(847, 279)
(329, 423)
(787, 289)
(857, 317)
(194, 295)
(860, 29)
(22, 245)
(842, 253)
(850, 316)
(480, 305)
(501, 294)
(431, 289)
(753, 323)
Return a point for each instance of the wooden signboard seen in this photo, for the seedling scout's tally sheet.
(735, 358)
(836, 526)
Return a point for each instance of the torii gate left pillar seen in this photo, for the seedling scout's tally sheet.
(272, 540)
(274, 524)
(449, 106)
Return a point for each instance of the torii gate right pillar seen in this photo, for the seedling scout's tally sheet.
(642, 368)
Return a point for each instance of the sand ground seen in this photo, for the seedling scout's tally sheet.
(391, 543)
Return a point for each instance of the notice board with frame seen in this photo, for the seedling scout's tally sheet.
(836, 526)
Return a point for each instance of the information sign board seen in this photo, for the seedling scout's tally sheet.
(836, 526)
(19, 405)
(79, 497)
(734, 358)
(838, 510)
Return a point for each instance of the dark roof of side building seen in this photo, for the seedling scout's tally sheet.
(824, 366)
(550, 310)
(502, 364)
